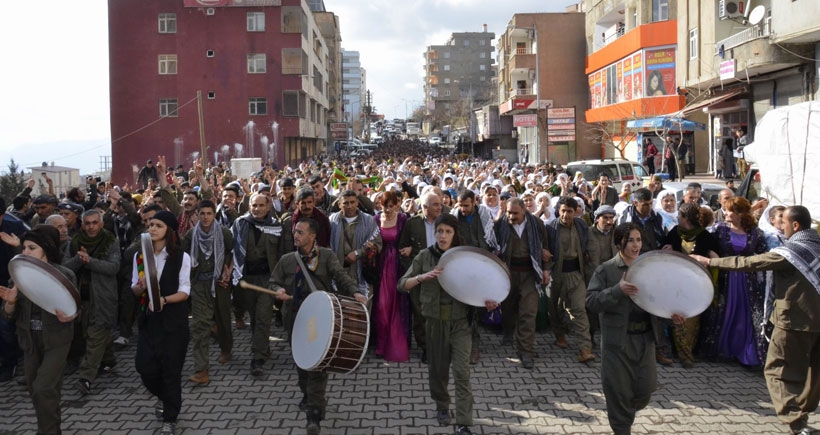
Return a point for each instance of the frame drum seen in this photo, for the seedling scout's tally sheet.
(150, 265)
(670, 282)
(473, 275)
(330, 333)
(44, 285)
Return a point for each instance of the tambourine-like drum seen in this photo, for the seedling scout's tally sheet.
(44, 285)
(150, 265)
(670, 282)
(330, 333)
(473, 276)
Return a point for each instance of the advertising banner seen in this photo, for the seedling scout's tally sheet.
(561, 124)
(627, 79)
(637, 76)
(660, 72)
(619, 75)
(525, 120)
(338, 126)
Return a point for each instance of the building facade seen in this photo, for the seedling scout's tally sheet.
(545, 97)
(458, 77)
(262, 72)
(328, 24)
(354, 87)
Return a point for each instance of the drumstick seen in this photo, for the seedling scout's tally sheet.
(249, 286)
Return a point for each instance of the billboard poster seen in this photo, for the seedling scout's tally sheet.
(627, 79)
(637, 76)
(592, 91)
(660, 72)
(598, 89)
(604, 88)
(619, 79)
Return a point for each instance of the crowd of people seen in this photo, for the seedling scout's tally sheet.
(374, 228)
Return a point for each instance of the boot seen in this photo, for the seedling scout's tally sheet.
(200, 377)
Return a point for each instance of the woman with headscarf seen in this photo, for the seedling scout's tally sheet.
(688, 237)
(667, 207)
(733, 327)
(164, 335)
(44, 337)
(544, 208)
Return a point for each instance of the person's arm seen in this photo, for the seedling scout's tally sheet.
(412, 277)
(184, 289)
(754, 263)
(109, 265)
(343, 281)
(600, 295)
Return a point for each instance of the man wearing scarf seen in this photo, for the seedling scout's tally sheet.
(324, 200)
(209, 245)
(190, 214)
(521, 237)
(793, 361)
(257, 248)
(289, 280)
(352, 234)
(306, 209)
(641, 213)
(95, 259)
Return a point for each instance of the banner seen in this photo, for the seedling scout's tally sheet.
(525, 120)
(660, 72)
(627, 79)
(637, 76)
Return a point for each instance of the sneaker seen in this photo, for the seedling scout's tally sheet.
(443, 417)
(257, 367)
(168, 428)
(463, 430)
(159, 410)
(84, 386)
(121, 341)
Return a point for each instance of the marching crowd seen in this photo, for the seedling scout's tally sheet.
(374, 228)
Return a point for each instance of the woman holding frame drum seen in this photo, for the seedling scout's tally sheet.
(44, 337)
(164, 335)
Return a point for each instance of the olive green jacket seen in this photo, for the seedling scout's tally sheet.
(436, 303)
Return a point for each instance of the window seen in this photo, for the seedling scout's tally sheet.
(446, 54)
(168, 108)
(483, 42)
(290, 103)
(292, 19)
(483, 55)
(660, 10)
(693, 43)
(447, 93)
(211, 95)
(446, 81)
(256, 21)
(483, 78)
(209, 53)
(167, 64)
(466, 42)
(312, 110)
(292, 61)
(256, 64)
(258, 106)
(482, 67)
(446, 67)
(167, 23)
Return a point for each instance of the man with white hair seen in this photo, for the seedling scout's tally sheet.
(418, 234)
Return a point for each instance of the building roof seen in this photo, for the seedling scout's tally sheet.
(51, 168)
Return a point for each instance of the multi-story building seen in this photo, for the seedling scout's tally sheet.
(631, 72)
(737, 63)
(262, 71)
(354, 86)
(458, 77)
(328, 24)
(541, 85)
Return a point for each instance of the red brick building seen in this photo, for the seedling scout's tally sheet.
(261, 65)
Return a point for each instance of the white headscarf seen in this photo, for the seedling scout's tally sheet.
(670, 219)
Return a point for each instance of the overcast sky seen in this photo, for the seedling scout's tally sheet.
(55, 76)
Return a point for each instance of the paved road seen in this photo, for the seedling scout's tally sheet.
(559, 396)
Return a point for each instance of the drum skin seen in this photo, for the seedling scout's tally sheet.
(330, 333)
(670, 283)
(44, 285)
(473, 276)
(151, 275)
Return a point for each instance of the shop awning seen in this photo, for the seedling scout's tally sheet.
(700, 105)
(665, 123)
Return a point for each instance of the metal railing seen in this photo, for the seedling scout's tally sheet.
(523, 91)
(762, 30)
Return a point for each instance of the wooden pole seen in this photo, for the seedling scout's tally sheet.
(201, 130)
(246, 285)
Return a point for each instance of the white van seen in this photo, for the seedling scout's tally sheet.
(620, 171)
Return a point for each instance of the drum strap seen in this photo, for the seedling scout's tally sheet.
(305, 272)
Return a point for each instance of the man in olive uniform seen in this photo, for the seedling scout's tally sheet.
(521, 238)
(418, 234)
(600, 248)
(289, 280)
(569, 237)
(209, 245)
(352, 233)
(257, 249)
(793, 361)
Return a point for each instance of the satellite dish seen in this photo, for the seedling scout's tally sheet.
(757, 14)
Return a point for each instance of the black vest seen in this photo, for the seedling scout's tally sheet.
(174, 317)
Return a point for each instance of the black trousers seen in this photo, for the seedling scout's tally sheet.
(160, 356)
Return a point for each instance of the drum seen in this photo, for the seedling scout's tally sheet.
(150, 265)
(330, 333)
(473, 275)
(670, 282)
(44, 285)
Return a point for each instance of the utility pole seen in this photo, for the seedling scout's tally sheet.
(368, 109)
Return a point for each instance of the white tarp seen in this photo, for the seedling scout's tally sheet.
(786, 149)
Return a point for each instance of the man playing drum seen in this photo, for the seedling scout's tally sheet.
(290, 281)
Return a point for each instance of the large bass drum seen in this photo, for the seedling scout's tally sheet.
(330, 333)
(44, 285)
(670, 283)
(473, 276)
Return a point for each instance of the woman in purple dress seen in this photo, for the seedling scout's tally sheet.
(737, 320)
(391, 312)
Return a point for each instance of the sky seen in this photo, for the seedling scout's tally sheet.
(55, 80)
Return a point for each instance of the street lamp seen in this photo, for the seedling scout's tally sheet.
(537, 154)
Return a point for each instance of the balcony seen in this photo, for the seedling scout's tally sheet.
(523, 60)
(761, 30)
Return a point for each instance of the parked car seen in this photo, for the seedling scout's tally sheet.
(619, 170)
(434, 141)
